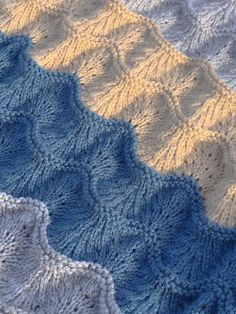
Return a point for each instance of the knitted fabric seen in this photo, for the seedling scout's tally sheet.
(10, 310)
(199, 28)
(184, 117)
(149, 230)
(36, 279)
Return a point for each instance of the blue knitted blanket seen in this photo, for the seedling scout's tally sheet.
(149, 230)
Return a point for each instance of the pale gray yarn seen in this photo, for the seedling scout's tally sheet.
(4, 309)
(36, 279)
(199, 28)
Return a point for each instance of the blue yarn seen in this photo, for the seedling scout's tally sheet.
(149, 230)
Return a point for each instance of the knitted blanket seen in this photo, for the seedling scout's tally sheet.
(149, 230)
(184, 117)
(36, 279)
(199, 28)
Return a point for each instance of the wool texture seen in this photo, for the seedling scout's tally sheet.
(106, 206)
(10, 310)
(199, 28)
(184, 117)
(36, 279)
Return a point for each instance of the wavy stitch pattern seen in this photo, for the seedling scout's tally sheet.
(36, 279)
(149, 230)
(201, 29)
(184, 117)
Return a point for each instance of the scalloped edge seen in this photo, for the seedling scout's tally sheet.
(201, 220)
(158, 34)
(42, 220)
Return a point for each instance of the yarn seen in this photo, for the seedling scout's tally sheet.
(36, 279)
(199, 28)
(10, 310)
(106, 206)
(183, 116)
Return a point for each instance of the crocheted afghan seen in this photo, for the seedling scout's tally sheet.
(106, 206)
(184, 117)
(36, 279)
(199, 28)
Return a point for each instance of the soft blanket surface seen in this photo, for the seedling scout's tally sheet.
(36, 279)
(148, 229)
(184, 117)
(199, 28)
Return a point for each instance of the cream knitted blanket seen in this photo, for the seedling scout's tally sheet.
(184, 116)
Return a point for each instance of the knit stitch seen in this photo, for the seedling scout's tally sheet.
(184, 117)
(149, 230)
(36, 279)
(199, 28)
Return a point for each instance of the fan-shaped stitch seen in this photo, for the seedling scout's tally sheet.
(199, 28)
(36, 279)
(148, 230)
(184, 117)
